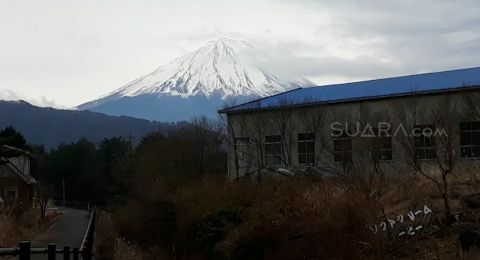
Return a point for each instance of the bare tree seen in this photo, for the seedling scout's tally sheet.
(258, 129)
(472, 104)
(439, 126)
(282, 121)
(230, 133)
(313, 121)
(367, 169)
(44, 194)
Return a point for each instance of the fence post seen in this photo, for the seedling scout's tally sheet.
(66, 253)
(75, 253)
(24, 250)
(52, 251)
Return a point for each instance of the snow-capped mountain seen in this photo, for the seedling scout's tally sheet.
(197, 83)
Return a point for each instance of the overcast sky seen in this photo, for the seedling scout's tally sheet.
(68, 52)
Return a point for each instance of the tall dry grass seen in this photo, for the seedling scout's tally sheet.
(292, 218)
(21, 225)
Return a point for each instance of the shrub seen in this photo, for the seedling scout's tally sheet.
(149, 224)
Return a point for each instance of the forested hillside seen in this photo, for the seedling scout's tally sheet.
(50, 127)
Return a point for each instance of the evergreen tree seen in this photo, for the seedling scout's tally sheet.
(11, 137)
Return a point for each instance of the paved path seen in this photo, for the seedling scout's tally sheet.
(69, 229)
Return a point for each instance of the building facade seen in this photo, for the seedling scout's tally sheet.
(422, 122)
(16, 181)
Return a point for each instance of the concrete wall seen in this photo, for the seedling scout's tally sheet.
(442, 110)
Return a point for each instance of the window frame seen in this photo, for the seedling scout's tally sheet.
(471, 132)
(306, 139)
(10, 189)
(345, 154)
(273, 159)
(242, 146)
(424, 149)
(381, 146)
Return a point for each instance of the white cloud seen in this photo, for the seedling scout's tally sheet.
(10, 95)
(74, 51)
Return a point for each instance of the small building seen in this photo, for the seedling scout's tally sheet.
(16, 181)
(419, 122)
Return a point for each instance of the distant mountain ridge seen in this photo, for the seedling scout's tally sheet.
(14, 95)
(195, 84)
(50, 127)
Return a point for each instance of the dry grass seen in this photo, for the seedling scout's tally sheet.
(22, 226)
(294, 219)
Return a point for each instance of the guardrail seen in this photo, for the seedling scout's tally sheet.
(24, 250)
(73, 204)
(87, 243)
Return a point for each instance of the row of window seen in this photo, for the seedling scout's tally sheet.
(10, 194)
(274, 150)
(380, 146)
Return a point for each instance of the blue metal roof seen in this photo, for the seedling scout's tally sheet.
(365, 90)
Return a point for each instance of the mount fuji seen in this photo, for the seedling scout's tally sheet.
(199, 83)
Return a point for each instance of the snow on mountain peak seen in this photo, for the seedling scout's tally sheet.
(222, 67)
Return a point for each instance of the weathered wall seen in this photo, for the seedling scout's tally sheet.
(408, 111)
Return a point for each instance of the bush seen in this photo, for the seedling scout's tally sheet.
(104, 244)
(148, 224)
(214, 228)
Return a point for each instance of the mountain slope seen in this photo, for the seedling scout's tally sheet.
(50, 127)
(195, 84)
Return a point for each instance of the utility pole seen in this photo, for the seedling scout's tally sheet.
(63, 191)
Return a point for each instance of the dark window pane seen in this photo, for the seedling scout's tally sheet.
(276, 149)
(465, 139)
(336, 145)
(476, 152)
(387, 143)
(310, 147)
(347, 156)
(302, 147)
(387, 155)
(337, 157)
(430, 154)
(301, 137)
(465, 126)
(310, 158)
(475, 138)
(273, 138)
(476, 125)
(420, 153)
(302, 158)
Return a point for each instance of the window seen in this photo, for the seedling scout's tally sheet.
(342, 146)
(470, 140)
(306, 148)
(273, 150)
(425, 142)
(381, 146)
(242, 145)
(10, 193)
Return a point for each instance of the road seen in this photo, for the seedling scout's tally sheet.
(69, 229)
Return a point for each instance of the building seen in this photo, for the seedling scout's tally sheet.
(16, 181)
(419, 122)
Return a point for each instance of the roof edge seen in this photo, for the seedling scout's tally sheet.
(359, 99)
(224, 110)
